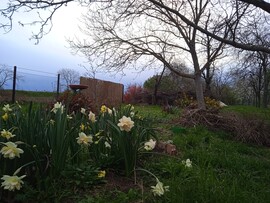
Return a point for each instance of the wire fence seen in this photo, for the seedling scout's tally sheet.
(18, 79)
(26, 79)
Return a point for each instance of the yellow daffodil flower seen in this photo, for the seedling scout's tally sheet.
(103, 109)
(5, 117)
(101, 174)
(6, 134)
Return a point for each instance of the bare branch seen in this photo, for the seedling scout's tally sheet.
(226, 41)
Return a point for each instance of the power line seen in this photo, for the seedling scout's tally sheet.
(37, 71)
(36, 74)
(29, 69)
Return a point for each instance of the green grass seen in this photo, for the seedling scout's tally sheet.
(263, 113)
(30, 93)
(223, 170)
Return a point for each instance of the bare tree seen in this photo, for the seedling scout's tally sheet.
(52, 6)
(91, 70)
(6, 74)
(124, 32)
(222, 86)
(69, 76)
(256, 64)
(260, 4)
(231, 17)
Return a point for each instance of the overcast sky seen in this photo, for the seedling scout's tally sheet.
(52, 53)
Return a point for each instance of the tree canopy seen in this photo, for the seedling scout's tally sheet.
(52, 6)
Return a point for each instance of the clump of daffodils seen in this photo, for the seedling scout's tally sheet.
(125, 124)
(150, 145)
(159, 189)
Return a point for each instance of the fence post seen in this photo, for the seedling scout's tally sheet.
(14, 84)
(58, 86)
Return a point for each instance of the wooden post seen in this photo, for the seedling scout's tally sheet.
(14, 84)
(58, 86)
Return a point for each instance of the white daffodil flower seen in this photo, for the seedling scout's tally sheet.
(125, 124)
(150, 145)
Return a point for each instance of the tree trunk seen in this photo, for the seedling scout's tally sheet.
(157, 84)
(258, 99)
(199, 92)
(208, 91)
(265, 94)
(154, 97)
(265, 86)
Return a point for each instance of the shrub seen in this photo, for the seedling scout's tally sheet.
(186, 101)
(133, 94)
(191, 103)
(75, 101)
(211, 103)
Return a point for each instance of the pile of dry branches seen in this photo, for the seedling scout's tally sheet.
(249, 129)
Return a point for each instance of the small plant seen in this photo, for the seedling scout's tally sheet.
(83, 176)
(211, 104)
(191, 103)
(185, 101)
(75, 101)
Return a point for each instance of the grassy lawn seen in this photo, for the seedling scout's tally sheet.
(27, 96)
(250, 111)
(223, 170)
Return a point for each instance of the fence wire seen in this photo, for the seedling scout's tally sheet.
(16, 79)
